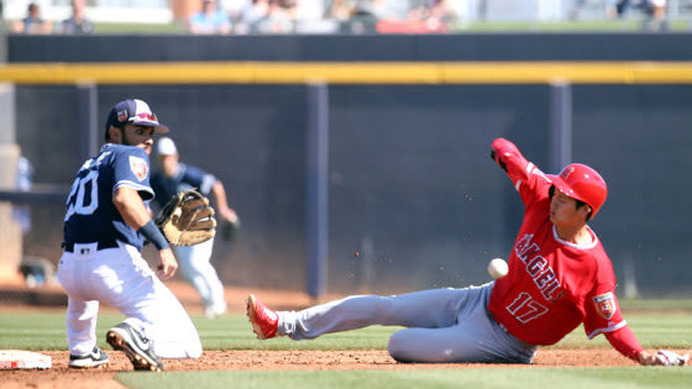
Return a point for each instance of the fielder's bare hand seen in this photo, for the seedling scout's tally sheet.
(227, 215)
(167, 264)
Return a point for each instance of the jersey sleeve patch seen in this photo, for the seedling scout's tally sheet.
(139, 167)
(605, 305)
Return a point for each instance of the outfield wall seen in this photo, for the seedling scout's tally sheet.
(414, 199)
(461, 47)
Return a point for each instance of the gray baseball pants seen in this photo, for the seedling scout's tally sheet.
(443, 325)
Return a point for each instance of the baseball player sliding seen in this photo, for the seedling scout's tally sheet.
(105, 226)
(559, 277)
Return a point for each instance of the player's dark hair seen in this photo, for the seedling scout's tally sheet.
(121, 126)
(580, 203)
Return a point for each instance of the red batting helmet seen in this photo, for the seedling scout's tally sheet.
(581, 182)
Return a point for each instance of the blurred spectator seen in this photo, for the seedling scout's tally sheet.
(33, 23)
(438, 15)
(280, 18)
(358, 16)
(611, 9)
(77, 23)
(657, 16)
(309, 17)
(423, 16)
(209, 20)
(363, 19)
(254, 14)
(270, 16)
(622, 6)
(235, 10)
(339, 10)
(577, 5)
(654, 11)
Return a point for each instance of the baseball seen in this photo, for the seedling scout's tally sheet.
(497, 267)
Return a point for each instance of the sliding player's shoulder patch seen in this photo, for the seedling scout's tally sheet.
(605, 305)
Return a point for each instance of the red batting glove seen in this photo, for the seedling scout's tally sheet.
(500, 149)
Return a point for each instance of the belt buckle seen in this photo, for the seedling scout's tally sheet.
(85, 249)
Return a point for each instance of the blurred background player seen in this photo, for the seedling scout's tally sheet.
(105, 226)
(173, 177)
(559, 277)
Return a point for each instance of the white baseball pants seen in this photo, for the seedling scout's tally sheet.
(197, 269)
(121, 278)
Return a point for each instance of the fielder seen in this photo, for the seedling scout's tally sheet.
(195, 264)
(559, 277)
(106, 223)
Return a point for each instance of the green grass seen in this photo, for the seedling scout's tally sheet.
(46, 331)
(565, 378)
(656, 305)
(144, 29)
(657, 324)
(654, 330)
(669, 325)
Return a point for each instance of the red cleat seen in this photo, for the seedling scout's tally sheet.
(264, 321)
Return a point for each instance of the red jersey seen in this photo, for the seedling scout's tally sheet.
(552, 285)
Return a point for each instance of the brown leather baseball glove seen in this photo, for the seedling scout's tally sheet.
(187, 219)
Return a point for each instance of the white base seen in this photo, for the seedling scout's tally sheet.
(21, 359)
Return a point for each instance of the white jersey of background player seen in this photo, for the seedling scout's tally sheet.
(106, 223)
(195, 264)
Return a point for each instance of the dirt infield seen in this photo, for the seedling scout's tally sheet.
(60, 376)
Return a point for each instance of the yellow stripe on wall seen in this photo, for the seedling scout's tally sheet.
(350, 73)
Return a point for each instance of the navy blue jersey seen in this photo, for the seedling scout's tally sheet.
(91, 215)
(188, 177)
